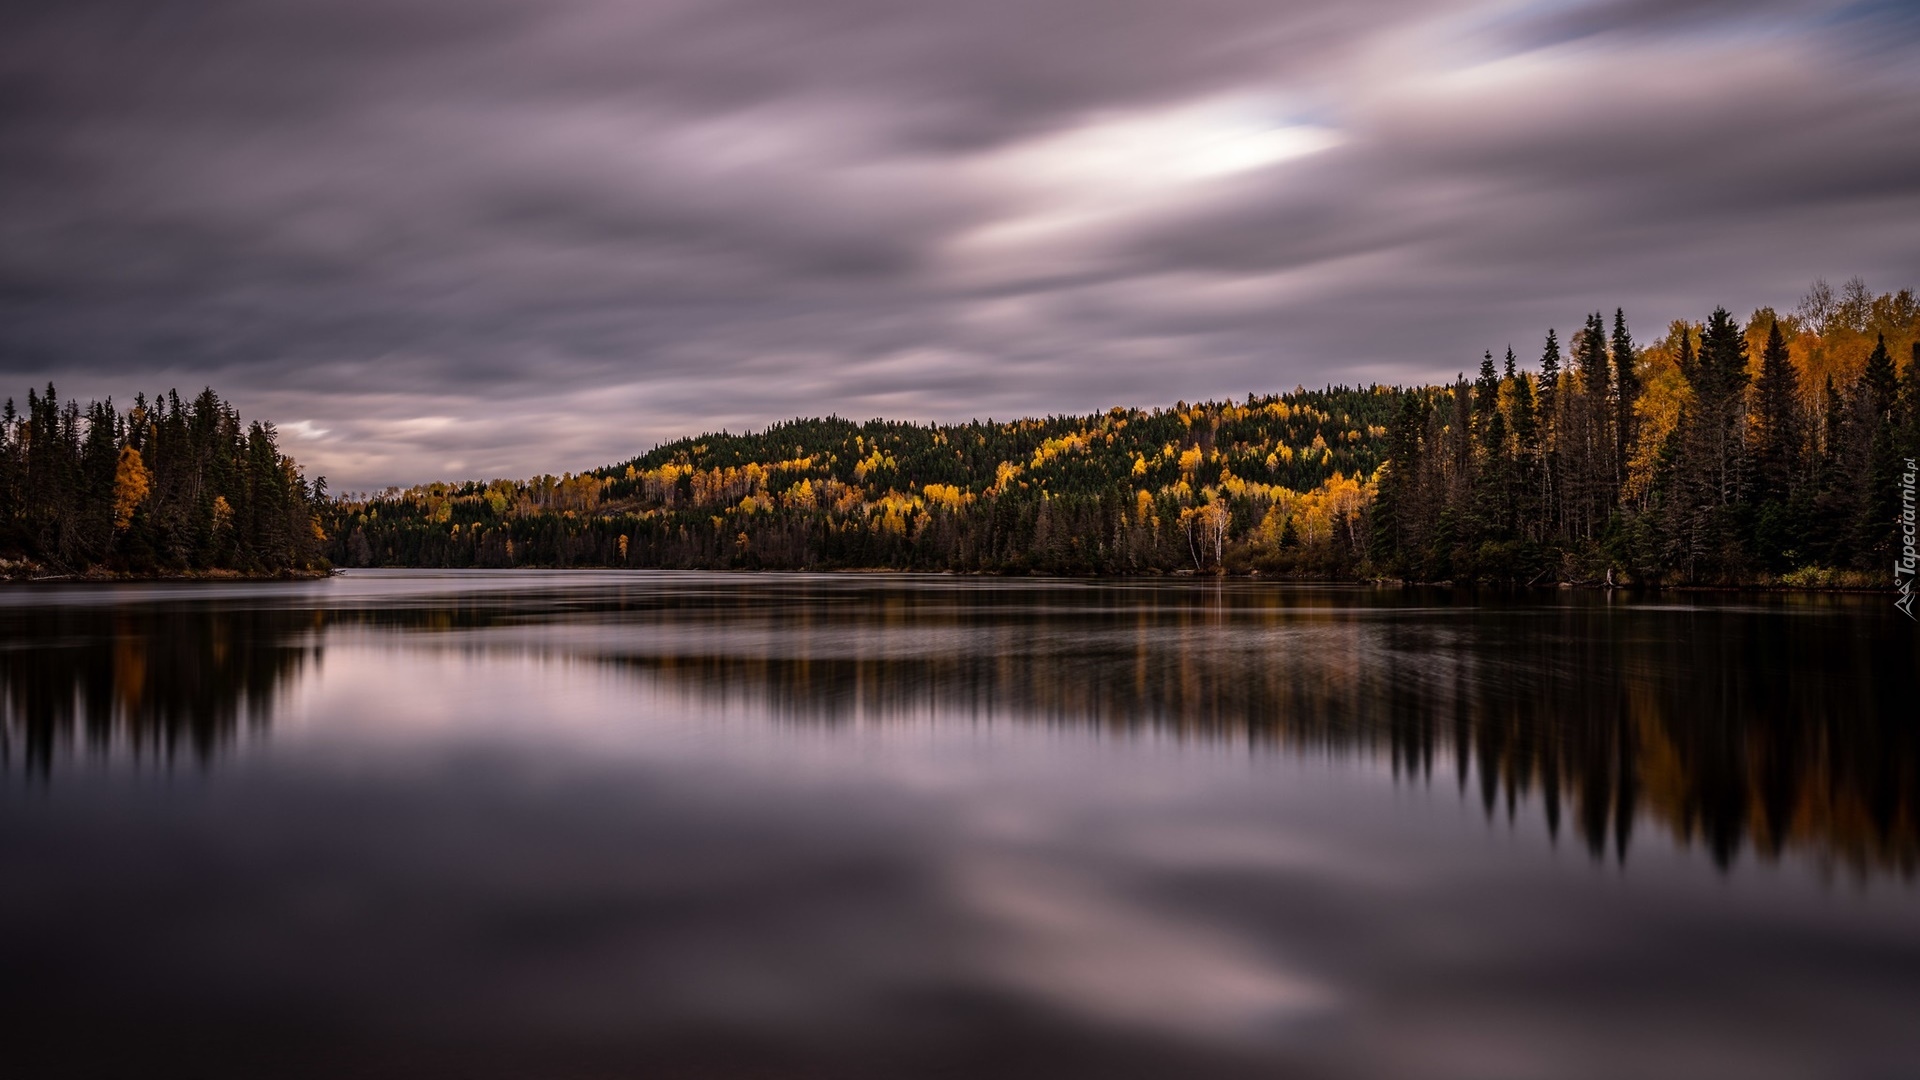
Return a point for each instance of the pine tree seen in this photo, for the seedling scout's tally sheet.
(1526, 455)
(1710, 470)
(1779, 443)
(1590, 354)
(1589, 454)
(1720, 395)
(1879, 416)
(1837, 501)
(1399, 516)
(1549, 378)
(1909, 406)
(1881, 385)
(1493, 497)
(1547, 420)
(1626, 378)
(1486, 394)
(92, 532)
(1779, 447)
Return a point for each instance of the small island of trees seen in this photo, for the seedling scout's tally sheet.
(163, 488)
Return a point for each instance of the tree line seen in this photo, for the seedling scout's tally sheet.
(1769, 450)
(1725, 453)
(164, 487)
(1277, 483)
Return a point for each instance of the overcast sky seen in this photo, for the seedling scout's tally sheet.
(473, 238)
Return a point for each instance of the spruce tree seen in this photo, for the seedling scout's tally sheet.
(1878, 380)
(1838, 500)
(92, 533)
(1779, 442)
(1547, 420)
(1590, 461)
(1549, 379)
(1721, 392)
(1526, 454)
(1590, 356)
(1779, 447)
(1626, 380)
(1399, 516)
(1909, 406)
(1711, 470)
(1493, 494)
(1486, 394)
(1876, 525)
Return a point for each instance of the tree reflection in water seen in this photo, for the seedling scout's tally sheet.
(1772, 728)
(152, 683)
(1775, 729)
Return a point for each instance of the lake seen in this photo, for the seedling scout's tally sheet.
(584, 824)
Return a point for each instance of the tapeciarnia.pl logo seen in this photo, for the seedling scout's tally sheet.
(1903, 567)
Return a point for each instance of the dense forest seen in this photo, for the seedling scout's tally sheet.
(166, 487)
(1762, 451)
(1726, 452)
(1758, 451)
(1277, 482)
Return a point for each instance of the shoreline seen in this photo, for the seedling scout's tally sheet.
(100, 577)
(19, 575)
(1187, 575)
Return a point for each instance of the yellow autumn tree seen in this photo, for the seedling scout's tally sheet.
(1663, 397)
(1206, 528)
(222, 516)
(131, 483)
(1334, 505)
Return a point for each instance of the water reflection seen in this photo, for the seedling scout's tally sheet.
(1770, 728)
(1774, 730)
(599, 825)
(151, 683)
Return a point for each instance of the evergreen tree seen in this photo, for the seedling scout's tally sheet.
(1837, 502)
(1779, 448)
(1909, 406)
(1779, 442)
(1880, 421)
(1547, 419)
(1589, 452)
(1626, 378)
(1486, 394)
(1493, 497)
(1590, 355)
(1526, 453)
(1710, 470)
(1549, 377)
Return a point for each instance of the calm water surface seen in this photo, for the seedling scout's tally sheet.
(608, 825)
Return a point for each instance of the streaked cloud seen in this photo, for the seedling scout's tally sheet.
(573, 229)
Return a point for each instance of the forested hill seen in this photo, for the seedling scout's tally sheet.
(1124, 491)
(1763, 450)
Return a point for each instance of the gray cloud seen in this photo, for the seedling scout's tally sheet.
(484, 237)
